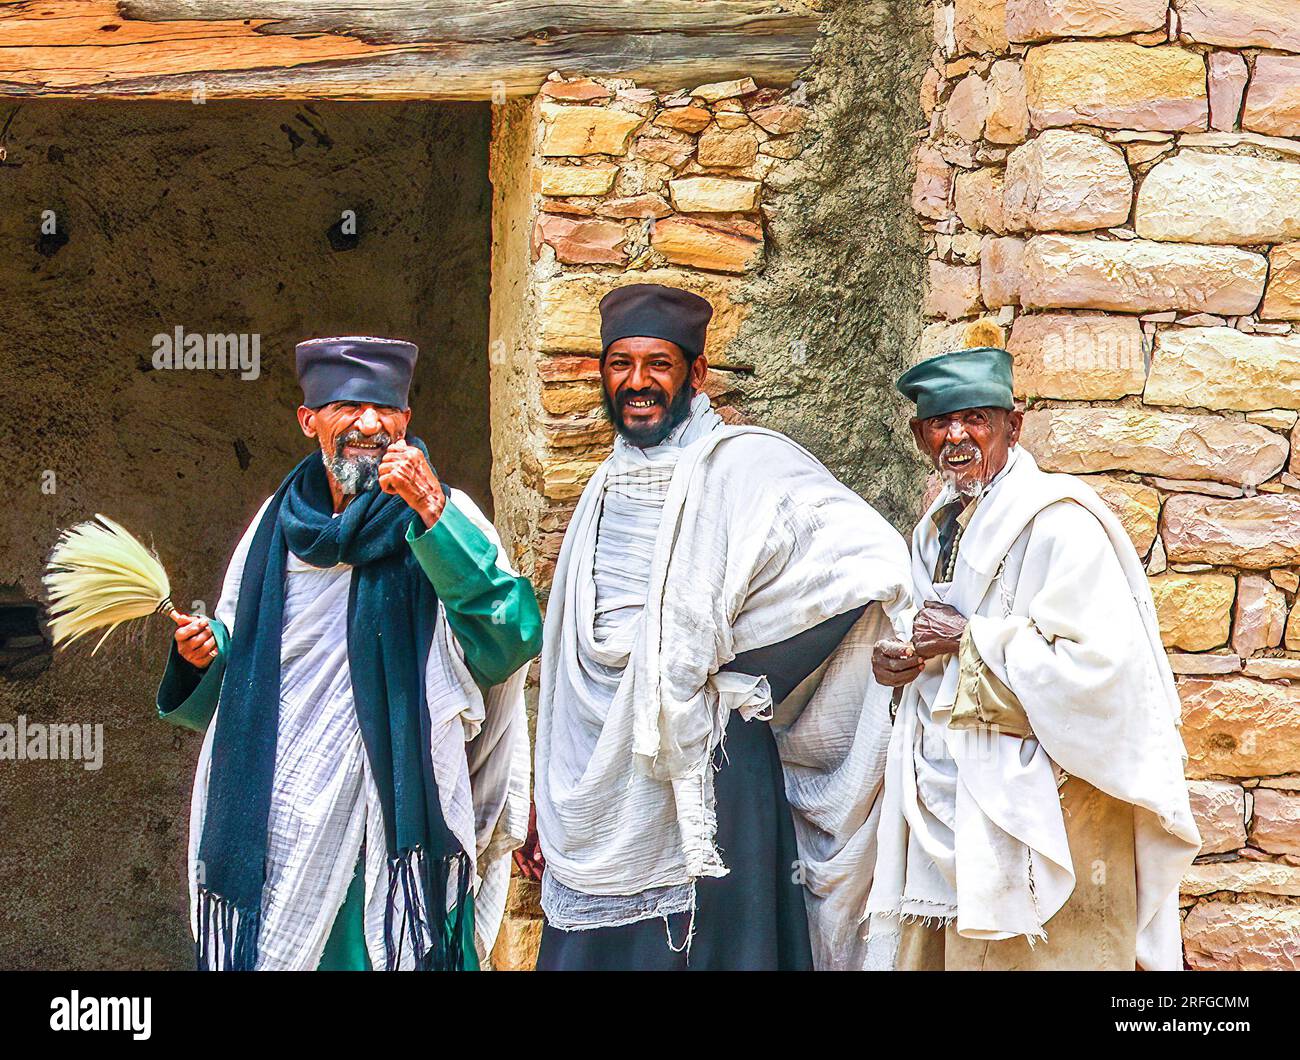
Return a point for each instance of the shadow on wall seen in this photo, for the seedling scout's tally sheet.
(222, 219)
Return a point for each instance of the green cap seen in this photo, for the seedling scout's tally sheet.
(965, 379)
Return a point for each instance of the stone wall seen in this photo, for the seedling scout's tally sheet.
(1113, 191)
(600, 184)
(787, 208)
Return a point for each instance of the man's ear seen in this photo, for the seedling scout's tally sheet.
(307, 420)
(1015, 419)
(699, 372)
(917, 436)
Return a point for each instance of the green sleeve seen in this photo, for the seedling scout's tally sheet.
(187, 695)
(493, 614)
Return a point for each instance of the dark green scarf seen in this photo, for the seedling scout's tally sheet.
(392, 608)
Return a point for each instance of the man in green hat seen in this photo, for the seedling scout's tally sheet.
(1035, 814)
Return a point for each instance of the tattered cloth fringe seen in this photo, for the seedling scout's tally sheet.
(930, 920)
(227, 935)
(884, 934)
(436, 933)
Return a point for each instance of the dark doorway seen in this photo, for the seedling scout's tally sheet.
(126, 221)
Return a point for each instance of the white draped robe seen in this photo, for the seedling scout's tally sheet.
(324, 802)
(1060, 611)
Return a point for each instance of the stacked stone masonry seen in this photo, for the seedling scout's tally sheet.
(1112, 190)
(630, 186)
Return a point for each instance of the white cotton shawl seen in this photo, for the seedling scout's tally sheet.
(1060, 610)
(757, 542)
(324, 803)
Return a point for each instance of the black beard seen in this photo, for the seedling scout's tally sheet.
(643, 438)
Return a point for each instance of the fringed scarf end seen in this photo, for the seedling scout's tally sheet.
(227, 936)
(435, 933)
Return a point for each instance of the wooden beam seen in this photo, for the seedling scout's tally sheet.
(389, 49)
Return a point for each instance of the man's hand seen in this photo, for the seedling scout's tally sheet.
(405, 472)
(529, 856)
(895, 663)
(938, 629)
(195, 641)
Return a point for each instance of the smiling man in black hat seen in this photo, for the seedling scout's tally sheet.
(708, 572)
(365, 770)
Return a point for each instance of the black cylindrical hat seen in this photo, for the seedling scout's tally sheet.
(358, 368)
(651, 310)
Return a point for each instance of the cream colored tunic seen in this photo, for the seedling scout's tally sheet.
(1096, 929)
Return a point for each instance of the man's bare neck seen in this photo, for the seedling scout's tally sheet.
(341, 499)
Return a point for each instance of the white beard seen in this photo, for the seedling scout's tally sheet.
(970, 489)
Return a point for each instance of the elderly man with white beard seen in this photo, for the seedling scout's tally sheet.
(1035, 813)
(364, 773)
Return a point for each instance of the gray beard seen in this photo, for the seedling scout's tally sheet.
(353, 476)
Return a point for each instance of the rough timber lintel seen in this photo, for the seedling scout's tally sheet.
(388, 49)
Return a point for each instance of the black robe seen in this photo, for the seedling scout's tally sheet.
(752, 919)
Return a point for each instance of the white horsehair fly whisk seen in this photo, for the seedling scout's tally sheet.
(100, 575)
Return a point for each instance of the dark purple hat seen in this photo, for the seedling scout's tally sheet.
(650, 310)
(356, 368)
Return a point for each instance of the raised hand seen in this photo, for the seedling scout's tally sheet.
(404, 472)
